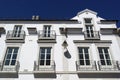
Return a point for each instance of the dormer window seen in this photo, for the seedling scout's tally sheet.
(88, 20)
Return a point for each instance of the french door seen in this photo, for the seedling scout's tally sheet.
(17, 31)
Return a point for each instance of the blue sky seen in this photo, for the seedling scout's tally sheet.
(58, 9)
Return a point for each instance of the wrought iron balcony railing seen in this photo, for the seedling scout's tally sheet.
(15, 35)
(91, 35)
(44, 68)
(9, 68)
(91, 67)
(111, 67)
(47, 35)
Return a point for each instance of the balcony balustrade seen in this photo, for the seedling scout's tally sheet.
(13, 36)
(92, 35)
(50, 35)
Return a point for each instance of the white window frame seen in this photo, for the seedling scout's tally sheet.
(90, 52)
(18, 54)
(17, 31)
(52, 52)
(110, 51)
(47, 31)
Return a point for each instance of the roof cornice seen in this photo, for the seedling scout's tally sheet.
(87, 10)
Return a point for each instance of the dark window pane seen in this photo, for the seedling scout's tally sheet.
(80, 50)
(81, 62)
(106, 50)
(80, 56)
(87, 62)
(48, 50)
(48, 56)
(47, 62)
(7, 62)
(42, 50)
(10, 50)
(13, 62)
(107, 56)
(8, 56)
(86, 56)
(100, 50)
(102, 62)
(14, 56)
(108, 62)
(16, 50)
(42, 56)
(88, 20)
(101, 56)
(41, 62)
(86, 50)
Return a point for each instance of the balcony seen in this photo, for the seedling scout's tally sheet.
(92, 35)
(16, 37)
(112, 67)
(96, 70)
(85, 68)
(10, 71)
(44, 71)
(46, 37)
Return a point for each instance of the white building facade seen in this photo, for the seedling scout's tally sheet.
(85, 47)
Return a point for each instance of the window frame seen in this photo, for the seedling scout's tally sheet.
(110, 52)
(52, 52)
(18, 54)
(90, 51)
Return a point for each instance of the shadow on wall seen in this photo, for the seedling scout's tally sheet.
(67, 54)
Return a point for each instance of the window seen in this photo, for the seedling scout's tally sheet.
(104, 55)
(89, 31)
(45, 56)
(84, 58)
(32, 30)
(11, 56)
(17, 31)
(88, 20)
(47, 31)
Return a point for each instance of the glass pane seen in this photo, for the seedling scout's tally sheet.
(80, 50)
(102, 62)
(101, 56)
(7, 62)
(107, 56)
(14, 56)
(87, 62)
(8, 56)
(13, 62)
(108, 62)
(100, 50)
(48, 50)
(48, 56)
(16, 50)
(81, 62)
(41, 62)
(86, 50)
(106, 50)
(42, 50)
(47, 62)
(80, 56)
(86, 56)
(42, 56)
(87, 20)
(10, 50)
